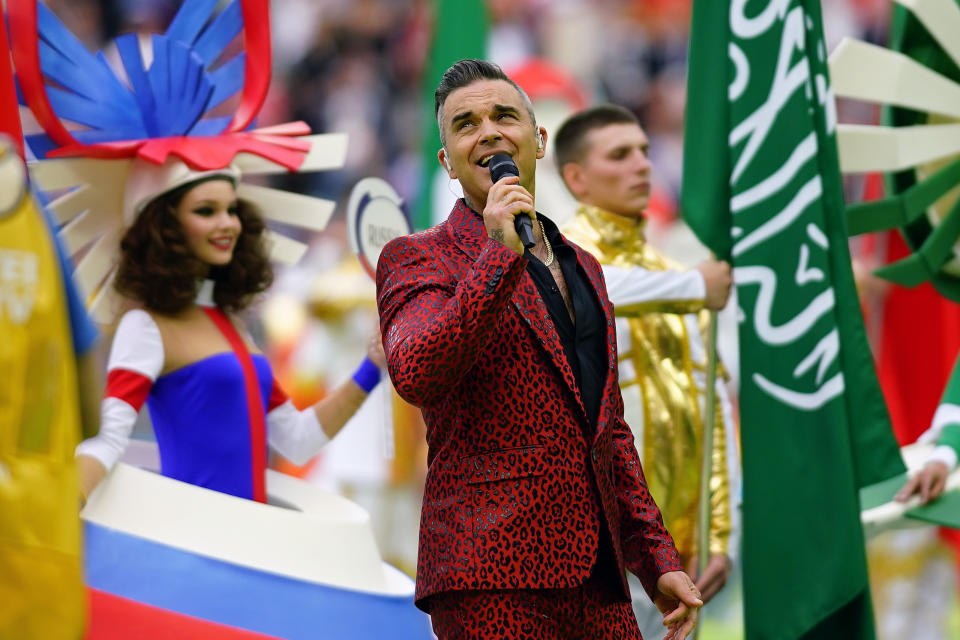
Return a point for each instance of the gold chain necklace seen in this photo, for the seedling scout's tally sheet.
(543, 234)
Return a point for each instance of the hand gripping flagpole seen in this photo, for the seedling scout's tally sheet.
(706, 466)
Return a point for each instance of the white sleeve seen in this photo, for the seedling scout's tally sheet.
(136, 359)
(945, 415)
(945, 454)
(636, 285)
(296, 435)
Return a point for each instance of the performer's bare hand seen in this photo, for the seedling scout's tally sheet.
(929, 483)
(90, 472)
(505, 200)
(717, 279)
(375, 350)
(678, 599)
(714, 576)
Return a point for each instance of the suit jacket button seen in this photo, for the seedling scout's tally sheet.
(498, 271)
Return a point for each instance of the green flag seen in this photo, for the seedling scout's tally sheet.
(460, 31)
(762, 189)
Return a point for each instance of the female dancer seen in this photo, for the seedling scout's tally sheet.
(192, 258)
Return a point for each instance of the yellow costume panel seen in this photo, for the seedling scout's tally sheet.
(41, 591)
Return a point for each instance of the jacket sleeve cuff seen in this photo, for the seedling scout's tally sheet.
(498, 267)
(665, 561)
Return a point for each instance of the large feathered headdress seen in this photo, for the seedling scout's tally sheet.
(114, 138)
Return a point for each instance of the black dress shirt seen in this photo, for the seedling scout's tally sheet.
(584, 341)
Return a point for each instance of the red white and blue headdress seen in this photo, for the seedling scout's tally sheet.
(117, 138)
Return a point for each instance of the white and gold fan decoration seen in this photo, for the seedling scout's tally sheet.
(917, 80)
(918, 147)
(92, 215)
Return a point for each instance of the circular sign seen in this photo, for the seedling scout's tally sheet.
(375, 216)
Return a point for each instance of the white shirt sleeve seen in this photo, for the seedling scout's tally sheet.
(136, 360)
(946, 415)
(945, 454)
(296, 435)
(636, 285)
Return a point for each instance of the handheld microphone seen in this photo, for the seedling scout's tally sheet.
(503, 165)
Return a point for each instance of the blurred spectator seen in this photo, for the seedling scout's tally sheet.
(355, 65)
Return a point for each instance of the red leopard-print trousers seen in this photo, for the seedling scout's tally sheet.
(588, 612)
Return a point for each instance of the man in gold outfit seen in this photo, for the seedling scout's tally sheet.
(662, 311)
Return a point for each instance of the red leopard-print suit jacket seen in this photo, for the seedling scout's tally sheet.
(509, 502)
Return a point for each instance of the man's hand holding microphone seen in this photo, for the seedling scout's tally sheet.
(509, 212)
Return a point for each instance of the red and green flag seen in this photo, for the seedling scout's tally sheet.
(762, 189)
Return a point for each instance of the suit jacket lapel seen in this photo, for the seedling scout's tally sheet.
(469, 234)
(467, 229)
(534, 311)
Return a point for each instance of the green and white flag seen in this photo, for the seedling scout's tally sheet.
(459, 31)
(762, 189)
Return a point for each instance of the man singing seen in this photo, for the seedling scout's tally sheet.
(535, 501)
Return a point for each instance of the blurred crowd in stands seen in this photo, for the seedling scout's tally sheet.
(356, 65)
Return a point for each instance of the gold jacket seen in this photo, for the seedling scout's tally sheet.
(660, 337)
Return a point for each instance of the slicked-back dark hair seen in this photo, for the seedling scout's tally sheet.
(569, 143)
(465, 72)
